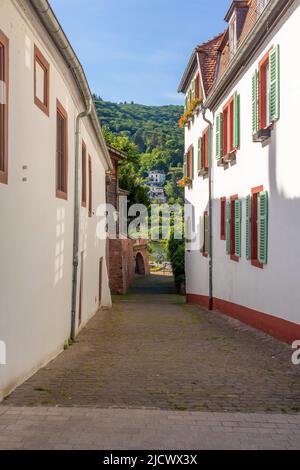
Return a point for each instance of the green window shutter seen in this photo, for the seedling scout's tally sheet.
(186, 103)
(208, 146)
(236, 129)
(199, 154)
(238, 220)
(193, 89)
(255, 119)
(248, 227)
(185, 165)
(219, 136)
(192, 162)
(228, 221)
(206, 234)
(263, 228)
(200, 89)
(274, 84)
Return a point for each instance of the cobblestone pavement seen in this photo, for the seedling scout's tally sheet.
(84, 428)
(152, 350)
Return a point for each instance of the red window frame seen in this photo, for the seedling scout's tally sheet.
(83, 174)
(228, 116)
(254, 226)
(233, 257)
(188, 161)
(262, 67)
(223, 218)
(205, 213)
(4, 76)
(197, 84)
(204, 150)
(90, 188)
(44, 64)
(61, 152)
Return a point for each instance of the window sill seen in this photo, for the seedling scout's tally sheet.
(3, 177)
(61, 195)
(203, 172)
(262, 134)
(234, 258)
(229, 156)
(223, 237)
(257, 264)
(42, 106)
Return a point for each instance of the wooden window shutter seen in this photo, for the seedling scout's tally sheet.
(255, 102)
(263, 227)
(236, 121)
(274, 84)
(248, 227)
(228, 222)
(237, 228)
(208, 146)
(194, 88)
(206, 233)
(219, 134)
(192, 162)
(185, 165)
(199, 154)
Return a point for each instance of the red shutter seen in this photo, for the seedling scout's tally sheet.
(198, 87)
(223, 219)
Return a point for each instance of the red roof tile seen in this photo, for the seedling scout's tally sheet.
(208, 55)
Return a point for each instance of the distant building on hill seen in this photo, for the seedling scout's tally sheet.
(157, 177)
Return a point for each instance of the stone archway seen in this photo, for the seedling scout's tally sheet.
(140, 264)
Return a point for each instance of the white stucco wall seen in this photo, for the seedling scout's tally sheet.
(36, 238)
(276, 166)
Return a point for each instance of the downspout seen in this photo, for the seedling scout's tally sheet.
(76, 221)
(210, 276)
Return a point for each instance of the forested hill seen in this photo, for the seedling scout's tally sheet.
(154, 129)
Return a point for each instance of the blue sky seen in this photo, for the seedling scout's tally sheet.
(136, 50)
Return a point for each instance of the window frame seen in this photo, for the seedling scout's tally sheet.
(223, 218)
(233, 36)
(228, 127)
(205, 215)
(83, 173)
(4, 131)
(254, 226)
(40, 58)
(62, 194)
(233, 257)
(90, 176)
(263, 111)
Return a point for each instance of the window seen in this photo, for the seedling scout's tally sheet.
(257, 227)
(199, 94)
(223, 218)
(41, 81)
(232, 36)
(189, 163)
(61, 152)
(205, 247)
(90, 188)
(233, 228)
(228, 129)
(265, 95)
(4, 45)
(203, 151)
(83, 174)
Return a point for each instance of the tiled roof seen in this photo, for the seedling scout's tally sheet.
(208, 56)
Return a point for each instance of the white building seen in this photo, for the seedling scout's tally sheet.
(157, 193)
(156, 177)
(45, 91)
(242, 166)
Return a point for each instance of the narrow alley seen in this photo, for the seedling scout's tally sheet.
(153, 352)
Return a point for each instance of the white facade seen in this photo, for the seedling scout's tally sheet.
(268, 298)
(156, 177)
(36, 239)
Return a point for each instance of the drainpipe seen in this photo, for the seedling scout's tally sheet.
(76, 227)
(210, 281)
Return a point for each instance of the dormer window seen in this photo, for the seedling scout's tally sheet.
(232, 36)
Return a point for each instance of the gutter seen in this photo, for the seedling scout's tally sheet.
(272, 14)
(55, 31)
